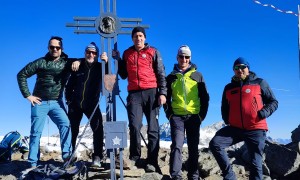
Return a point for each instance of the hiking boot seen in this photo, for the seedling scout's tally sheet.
(176, 178)
(96, 162)
(150, 168)
(137, 162)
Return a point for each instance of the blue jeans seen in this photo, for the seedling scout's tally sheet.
(56, 111)
(227, 136)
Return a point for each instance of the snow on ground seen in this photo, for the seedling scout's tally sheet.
(52, 144)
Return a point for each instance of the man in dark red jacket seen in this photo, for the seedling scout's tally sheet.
(246, 103)
(143, 67)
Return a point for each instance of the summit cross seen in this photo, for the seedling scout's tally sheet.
(108, 25)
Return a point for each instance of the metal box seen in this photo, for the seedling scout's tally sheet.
(115, 134)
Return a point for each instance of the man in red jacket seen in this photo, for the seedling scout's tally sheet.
(246, 103)
(142, 65)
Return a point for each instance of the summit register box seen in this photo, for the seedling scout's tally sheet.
(115, 134)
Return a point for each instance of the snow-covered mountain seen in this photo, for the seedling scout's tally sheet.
(279, 140)
(206, 133)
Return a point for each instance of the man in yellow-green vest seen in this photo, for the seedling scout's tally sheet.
(186, 108)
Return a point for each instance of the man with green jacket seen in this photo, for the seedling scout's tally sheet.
(46, 99)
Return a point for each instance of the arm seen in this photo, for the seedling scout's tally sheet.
(70, 88)
(122, 71)
(25, 73)
(159, 69)
(167, 106)
(225, 108)
(28, 71)
(73, 64)
(269, 100)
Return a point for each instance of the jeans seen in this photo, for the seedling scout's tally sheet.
(189, 124)
(227, 136)
(56, 111)
(139, 102)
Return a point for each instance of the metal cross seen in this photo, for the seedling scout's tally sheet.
(109, 26)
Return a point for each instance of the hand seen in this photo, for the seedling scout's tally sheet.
(116, 54)
(162, 100)
(104, 57)
(200, 119)
(75, 65)
(34, 100)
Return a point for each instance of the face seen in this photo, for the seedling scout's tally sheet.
(241, 71)
(55, 49)
(139, 40)
(90, 55)
(183, 61)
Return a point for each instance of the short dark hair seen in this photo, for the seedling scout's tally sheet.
(56, 38)
(138, 29)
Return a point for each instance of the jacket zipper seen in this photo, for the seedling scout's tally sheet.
(84, 87)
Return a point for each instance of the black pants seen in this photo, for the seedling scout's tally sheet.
(181, 125)
(139, 102)
(75, 114)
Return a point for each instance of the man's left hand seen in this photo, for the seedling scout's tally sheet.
(104, 57)
(75, 65)
(162, 100)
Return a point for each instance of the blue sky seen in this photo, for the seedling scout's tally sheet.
(217, 32)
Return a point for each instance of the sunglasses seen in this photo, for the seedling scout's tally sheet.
(240, 67)
(186, 57)
(55, 47)
(89, 52)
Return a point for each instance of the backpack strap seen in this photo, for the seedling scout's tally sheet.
(12, 143)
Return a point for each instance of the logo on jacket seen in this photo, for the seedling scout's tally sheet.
(247, 90)
(144, 55)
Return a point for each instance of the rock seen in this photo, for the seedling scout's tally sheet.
(281, 160)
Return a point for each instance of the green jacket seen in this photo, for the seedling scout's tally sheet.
(187, 93)
(51, 77)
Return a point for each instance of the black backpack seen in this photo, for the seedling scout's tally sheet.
(51, 172)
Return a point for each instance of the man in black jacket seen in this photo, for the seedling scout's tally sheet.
(46, 99)
(82, 96)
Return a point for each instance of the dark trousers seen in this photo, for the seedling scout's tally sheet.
(227, 136)
(189, 124)
(75, 114)
(139, 102)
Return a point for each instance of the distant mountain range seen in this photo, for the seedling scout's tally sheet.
(206, 133)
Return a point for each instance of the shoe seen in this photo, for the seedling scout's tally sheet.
(176, 178)
(96, 162)
(68, 162)
(150, 168)
(134, 161)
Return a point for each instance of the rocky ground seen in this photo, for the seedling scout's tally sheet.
(13, 170)
(281, 163)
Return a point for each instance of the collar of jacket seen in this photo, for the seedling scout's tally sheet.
(250, 77)
(177, 70)
(49, 57)
(145, 47)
